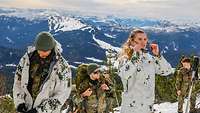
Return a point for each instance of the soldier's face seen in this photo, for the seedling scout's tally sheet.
(44, 54)
(140, 39)
(95, 75)
(186, 65)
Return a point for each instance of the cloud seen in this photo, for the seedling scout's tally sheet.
(26, 3)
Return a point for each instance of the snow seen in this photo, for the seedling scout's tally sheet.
(85, 28)
(109, 36)
(63, 23)
(10, 65)
(168, 28)
(166, 47)
(1, 66)
(163, 51)
(78, 62)
(105, 45)
(165, 107)
(193, 46)
(64, 111)
(71, 22)
(174, 46)
(23, 14)
(73, 66)
(10, 53)
(93, 59)
(158, 29)
(98, 28)
(29, 14)
(9, 40)
(168, 107)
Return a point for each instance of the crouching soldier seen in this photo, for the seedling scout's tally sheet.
(92, 91)
(183, 83)
(43, 77)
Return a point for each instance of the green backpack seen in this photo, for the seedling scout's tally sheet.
(81, 75)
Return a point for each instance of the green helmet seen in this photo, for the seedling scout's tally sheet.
(44, 41)
(92, 67)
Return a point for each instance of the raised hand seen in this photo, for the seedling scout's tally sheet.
(155, 49)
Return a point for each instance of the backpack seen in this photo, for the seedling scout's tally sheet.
(81, 74)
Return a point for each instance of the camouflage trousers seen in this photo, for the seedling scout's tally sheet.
(92, 105)
(184, 93)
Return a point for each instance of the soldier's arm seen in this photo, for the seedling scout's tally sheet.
(18, 93)
(179, 79)
(79, 103)
(162, 67)
(105, 79)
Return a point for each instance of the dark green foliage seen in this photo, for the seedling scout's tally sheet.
(165, 89)
(2, 85)
(118, 88)
(7, 105)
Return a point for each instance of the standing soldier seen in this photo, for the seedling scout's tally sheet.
(137, 68)
(43, 78)
(183, 82)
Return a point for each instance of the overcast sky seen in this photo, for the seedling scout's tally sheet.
(171, 9)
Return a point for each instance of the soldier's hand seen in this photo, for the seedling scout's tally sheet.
(76, 111)
(104, 87)
(106, 75)
(179, 92)
(87, 92)
(22, 108)
(155, 49)
(137, 47)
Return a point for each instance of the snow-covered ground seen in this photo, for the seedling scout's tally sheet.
(165, 107)
(168, 107)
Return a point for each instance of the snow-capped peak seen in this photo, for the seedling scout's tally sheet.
(64, 23)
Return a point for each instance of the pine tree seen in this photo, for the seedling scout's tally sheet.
(2, 85)
(111, 56)
(6, 102)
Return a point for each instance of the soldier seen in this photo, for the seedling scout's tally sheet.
(137, 68)
(43, 78)
(92, 91)
(183, 82)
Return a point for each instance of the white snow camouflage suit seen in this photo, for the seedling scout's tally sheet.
(53, 92)
(138, 77)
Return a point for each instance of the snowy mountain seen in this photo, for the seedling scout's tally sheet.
(85, 38)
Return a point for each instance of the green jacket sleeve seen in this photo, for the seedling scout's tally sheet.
(178, 80)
